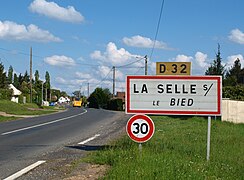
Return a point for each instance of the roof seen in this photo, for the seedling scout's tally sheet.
(16, 92)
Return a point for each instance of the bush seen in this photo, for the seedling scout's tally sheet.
(234, 92)
(115, 104)
(5, 94)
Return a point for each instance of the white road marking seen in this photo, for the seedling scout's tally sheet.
(43, 124)
(24, 171)
(90, 139)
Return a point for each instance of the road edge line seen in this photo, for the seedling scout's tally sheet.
(43, 124)
(89, 139)
(24, 171)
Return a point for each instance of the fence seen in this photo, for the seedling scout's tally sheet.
(232, 111)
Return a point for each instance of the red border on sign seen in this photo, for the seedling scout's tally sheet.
(151, 128)
(175, 112)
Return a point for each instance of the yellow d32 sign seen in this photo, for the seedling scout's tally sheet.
(173, 68)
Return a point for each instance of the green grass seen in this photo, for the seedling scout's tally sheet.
(2, 118)
(22, 109)
(178, 151)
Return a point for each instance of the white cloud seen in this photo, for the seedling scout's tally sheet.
(104, 71)
(53, 10)
(199, 62)
(113, 55)
(83, 75)
(231, 60)
(12, 31)
(237, 36)
(183, 58)
(144, 42)
(201, 59)
(62, 61)
(61, 80)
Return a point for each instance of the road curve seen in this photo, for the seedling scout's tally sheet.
(26, 141)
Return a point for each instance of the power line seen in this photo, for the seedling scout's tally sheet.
(157, 29)
(123, 66)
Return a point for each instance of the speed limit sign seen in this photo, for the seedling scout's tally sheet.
(140, 128)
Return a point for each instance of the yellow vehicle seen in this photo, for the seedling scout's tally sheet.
(77, 102)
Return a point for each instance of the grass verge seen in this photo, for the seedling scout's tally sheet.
(2, 118)
(178, 151)
(23, 109)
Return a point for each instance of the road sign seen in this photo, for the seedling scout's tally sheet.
(173, 68)
(140, 128)
(183, 95)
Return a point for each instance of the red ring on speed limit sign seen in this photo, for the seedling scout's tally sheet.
(143, 131)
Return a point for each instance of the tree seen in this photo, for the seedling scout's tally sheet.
(232, 77)
(16, 81)
(37, 76)
(10, 75)
(38, 88)
(47, 78)
(47, 85)
(20, 80)
(26, 77)
(216, 68)
(99, 98)
(3, 77)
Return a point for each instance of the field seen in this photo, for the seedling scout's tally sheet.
(177, 151)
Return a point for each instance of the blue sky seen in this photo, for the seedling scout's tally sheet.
(78, 42)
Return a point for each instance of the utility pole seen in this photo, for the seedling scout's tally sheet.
(113, 81)
(42, 93)
(31, 75)
(88, 93)
(145, 65)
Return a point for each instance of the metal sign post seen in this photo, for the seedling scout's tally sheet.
(208, 137)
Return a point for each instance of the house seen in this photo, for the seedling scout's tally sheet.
(16, 93)
(121, 95)
(63, 100)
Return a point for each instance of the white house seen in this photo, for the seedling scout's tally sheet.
(16, 93)
(63, 100)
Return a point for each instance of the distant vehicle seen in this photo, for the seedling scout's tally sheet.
(77, 102)
(52, 103)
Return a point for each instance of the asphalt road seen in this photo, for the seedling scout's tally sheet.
(27, 141)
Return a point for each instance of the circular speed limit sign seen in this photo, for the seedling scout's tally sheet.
(140, 128)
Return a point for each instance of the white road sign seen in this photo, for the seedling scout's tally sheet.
(140, 128)
(189, 95)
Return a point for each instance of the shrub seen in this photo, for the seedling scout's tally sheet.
(6, 94)
(115, 104)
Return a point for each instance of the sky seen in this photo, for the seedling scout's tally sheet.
(78, 42)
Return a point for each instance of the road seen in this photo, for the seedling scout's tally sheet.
(27, 141)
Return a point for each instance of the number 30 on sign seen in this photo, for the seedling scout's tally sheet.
(140, 128)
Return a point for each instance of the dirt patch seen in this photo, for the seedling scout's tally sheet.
(14, 115)
(88, 171)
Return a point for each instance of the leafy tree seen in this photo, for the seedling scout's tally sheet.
(99, 98)
(64, 94)
(10, 75)
(216, 68)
